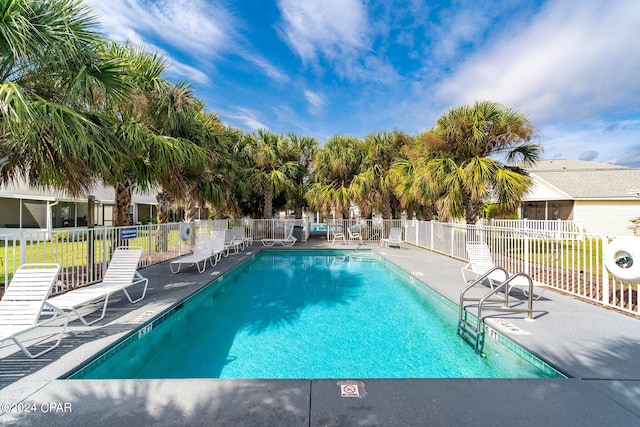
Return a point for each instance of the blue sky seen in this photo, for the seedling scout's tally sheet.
(328, 67)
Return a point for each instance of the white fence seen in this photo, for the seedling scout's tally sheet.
(568, 262)
(84, 253)
(559, 229)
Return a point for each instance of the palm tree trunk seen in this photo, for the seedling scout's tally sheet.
(123, 204)
(268, 204)
(162, 232)
(164, 201)
(386, 206)
(471, 209)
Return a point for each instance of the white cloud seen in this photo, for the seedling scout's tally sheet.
(329, 28)
(571, 62)
(245, 117)
(197, 26)
(268, 68)
(315, 101)
(199, 29)
(187, 72)
(610, 143)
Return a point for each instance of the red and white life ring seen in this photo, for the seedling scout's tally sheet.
(622, 258)
(186, 231)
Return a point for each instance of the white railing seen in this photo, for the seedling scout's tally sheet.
(260, 229)
(571, 262)
(84, 253)
(560, 229)
(371, 230)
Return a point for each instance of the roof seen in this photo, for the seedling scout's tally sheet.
(588, 180)
(102, 193)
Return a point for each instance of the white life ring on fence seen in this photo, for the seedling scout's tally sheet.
(622, 258)
(186, 231)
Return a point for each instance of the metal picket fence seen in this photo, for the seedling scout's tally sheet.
(569, 262)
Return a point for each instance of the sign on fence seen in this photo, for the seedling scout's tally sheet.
(129, 233)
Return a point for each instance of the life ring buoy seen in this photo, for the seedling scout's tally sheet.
(186, 231)
(622, 258)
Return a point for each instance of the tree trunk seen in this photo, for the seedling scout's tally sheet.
(297, 210)
(345, 211)
(123, 204)
(164, 202)
(471, 209)
(386, 206)
(162, 232)
(268, 204)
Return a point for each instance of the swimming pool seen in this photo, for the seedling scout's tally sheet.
(308, 314)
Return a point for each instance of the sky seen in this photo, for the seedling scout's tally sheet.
(328, 67)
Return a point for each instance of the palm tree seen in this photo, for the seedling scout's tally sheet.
(334, 168)
(51, 79)
(144, 153)
(176, 113)
(306, 147)
(274, 162)
(373, 184)
(464, 167)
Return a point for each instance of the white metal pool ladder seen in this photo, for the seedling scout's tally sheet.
(471, 326)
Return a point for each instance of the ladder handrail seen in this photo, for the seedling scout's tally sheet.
(477, 281)
(504, 286)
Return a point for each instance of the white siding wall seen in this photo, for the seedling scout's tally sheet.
(610, 217)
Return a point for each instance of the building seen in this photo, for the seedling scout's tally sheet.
(25, 207)
(603, 197)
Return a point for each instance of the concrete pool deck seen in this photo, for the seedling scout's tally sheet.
(598, 348)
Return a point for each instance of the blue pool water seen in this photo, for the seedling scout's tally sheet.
(292, 314)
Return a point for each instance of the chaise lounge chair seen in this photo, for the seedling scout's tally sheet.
(289, 240)
(120, 275)
(480, 262)
(25, 300)
(208, 248)
(239, 236)
(394, 239)
(231, 244)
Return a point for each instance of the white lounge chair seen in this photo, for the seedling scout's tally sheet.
(289, 239)
(25, 301)
(231, 244)
(239, 235)
(121, 274)
(355, 233)
(208, 248)
(394, 239)
(480, 262)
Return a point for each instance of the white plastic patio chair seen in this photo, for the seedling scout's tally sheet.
(230, 243)
(289, 239)
(337, 234)
(355, 233)
(239, 235)
(208, 248)
(394, 239)
(480, 262)
(25, 301)
(121, 274)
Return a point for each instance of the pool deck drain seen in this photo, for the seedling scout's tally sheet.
(599, 348)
